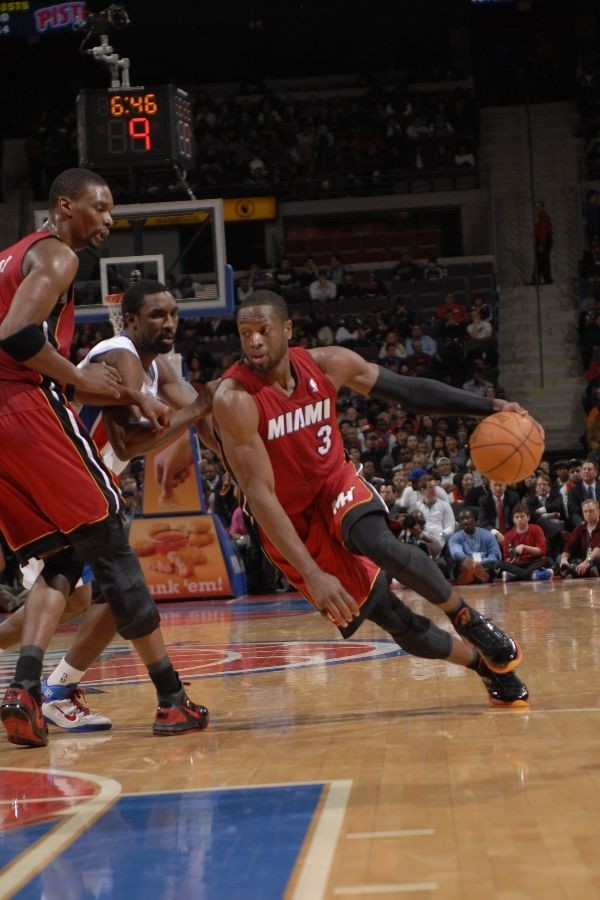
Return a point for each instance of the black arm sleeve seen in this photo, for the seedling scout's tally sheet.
(426, 395)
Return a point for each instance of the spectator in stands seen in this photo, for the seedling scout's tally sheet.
(462, 482)
(573, 478)
(244, 288)
(524, 551)
(485, 310)
(308, 273)
(464, 157)
(322, 289)
(443, 467)
(374, 286)
(473, 551)
(402, 318)
(349, 287)
(496, 509)
(321, 327)
(451, 329)
(546, 510)
(591, 216)
(439, 518)
(394, 356)
(589, 274)
(543, 245)
(561, 472)
(457, 455)
(478, 329)
(587, 488)
(580, 557)
(336, 270)
(478, 384)
(374, 451)
(438, 448)
(428, 344)
(591, 338)
(418, 362)
(349, 331)
(432, 271)
(451, 305)
(480, 488)
(286, 277)
(406, 271)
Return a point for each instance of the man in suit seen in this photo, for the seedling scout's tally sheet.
(495, 509)
(546, 510)
(587, 489)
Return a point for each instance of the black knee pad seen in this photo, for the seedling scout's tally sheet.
(66, 563)
(415, 634)
(119, 577)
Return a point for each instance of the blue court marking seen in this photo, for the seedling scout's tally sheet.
(16, 840)
(215, 845)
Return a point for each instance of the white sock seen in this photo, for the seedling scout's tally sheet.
(65, 674)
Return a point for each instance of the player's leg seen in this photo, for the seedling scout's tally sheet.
(421, 637)
(21, 708)
(116, 567)
(367, 533)
(11, 630)
(63, 699)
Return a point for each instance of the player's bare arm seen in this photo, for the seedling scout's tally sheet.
(346, 368)
(236, 419)
(51, 266)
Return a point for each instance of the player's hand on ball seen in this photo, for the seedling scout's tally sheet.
(511, 406)
(332, 598)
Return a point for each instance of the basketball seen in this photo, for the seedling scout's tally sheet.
(507, 446)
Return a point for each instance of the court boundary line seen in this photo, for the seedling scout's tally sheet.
(31, 861)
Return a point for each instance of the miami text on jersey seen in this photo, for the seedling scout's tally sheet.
(302, 417)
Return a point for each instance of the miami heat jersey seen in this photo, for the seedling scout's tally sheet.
(91, 416)
(59, 325)
(300, 431)
(313, 482)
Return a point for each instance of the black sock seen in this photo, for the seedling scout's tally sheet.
(29, 669)
(164, 677)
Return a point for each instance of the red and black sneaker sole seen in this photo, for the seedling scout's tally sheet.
(174, 728)
(21, 728)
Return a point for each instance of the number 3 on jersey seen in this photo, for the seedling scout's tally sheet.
(324, 435)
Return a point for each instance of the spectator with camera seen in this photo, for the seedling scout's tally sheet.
(580, 557)
(439, 518)
(525, 550)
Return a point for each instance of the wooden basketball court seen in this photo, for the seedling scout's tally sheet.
(330, 768)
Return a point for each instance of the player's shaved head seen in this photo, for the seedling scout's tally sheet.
(266, 298)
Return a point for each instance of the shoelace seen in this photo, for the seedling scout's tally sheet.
(78, 697)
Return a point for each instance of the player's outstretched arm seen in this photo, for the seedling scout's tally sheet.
(345, 367)
(236, 420)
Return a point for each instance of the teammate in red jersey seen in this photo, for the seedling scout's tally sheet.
(275, 418)
(57, 499)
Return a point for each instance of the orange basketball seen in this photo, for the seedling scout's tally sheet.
(507, 446)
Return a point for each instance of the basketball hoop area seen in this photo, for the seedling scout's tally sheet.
(180, 243)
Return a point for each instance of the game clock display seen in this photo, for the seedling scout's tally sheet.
(146, 126)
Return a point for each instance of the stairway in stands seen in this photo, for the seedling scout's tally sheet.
(554, 395)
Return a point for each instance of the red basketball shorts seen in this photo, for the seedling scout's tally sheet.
(52, 480)
(320, 529)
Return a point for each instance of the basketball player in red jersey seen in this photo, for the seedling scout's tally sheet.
(57, 499)
(274, 414)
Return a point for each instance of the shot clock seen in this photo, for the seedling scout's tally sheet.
(149, 126)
